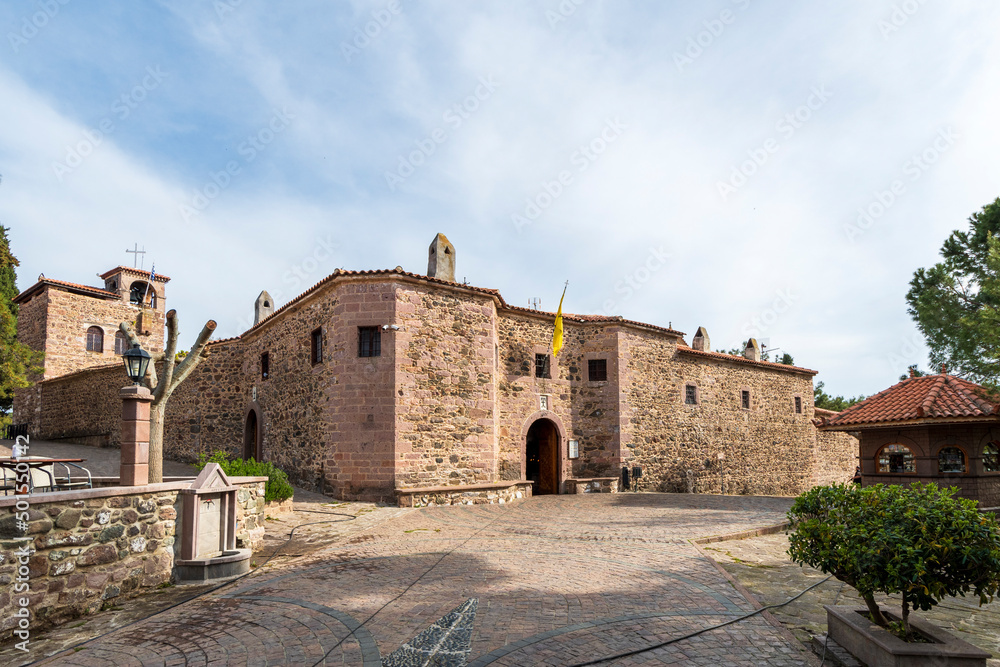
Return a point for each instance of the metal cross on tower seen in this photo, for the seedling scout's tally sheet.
(135, 254)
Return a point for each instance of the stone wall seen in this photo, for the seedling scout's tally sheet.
(473, 494)
(835, 456)
(764, 450)
(445, 388)
(83, 407)
(93, 547)
(67, 316)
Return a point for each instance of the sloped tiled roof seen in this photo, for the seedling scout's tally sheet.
(73, 287)
(721, 356)
(131, 269)
(920, 399)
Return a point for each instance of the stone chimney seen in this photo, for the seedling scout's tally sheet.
(752, 350)
(441, 259)
(701, 340)
(263, 307)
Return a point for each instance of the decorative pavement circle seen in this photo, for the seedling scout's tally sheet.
(555, 580)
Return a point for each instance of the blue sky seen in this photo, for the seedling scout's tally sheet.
(754, 168)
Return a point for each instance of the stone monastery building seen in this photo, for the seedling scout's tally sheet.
(389, 385)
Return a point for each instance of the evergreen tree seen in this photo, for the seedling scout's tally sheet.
(824, 401)
(956, 303)
(17, 361)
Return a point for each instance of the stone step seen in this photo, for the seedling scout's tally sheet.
(836, 654)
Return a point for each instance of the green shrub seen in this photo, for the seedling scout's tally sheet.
(919, 541)
(278, 486)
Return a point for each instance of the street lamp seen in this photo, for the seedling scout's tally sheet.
(136, 361)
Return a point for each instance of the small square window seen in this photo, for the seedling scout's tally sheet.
(745, 398)
(597, 370)
(690, 394)
(542, 366)
(798, 405)
(265, 366)
(317, 346)
(369, 342)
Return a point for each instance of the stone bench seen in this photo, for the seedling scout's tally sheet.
(467, 494)
(592, 485)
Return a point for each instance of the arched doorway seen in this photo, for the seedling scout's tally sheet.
(541, 450)
(251, 437)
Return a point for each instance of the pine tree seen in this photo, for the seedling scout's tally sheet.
(17, 361)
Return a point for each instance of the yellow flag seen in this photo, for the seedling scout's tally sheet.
(557, 335)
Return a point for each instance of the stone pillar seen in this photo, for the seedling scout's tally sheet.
(134, 469)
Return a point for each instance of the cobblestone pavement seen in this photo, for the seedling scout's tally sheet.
(554, 580)
(762, 565)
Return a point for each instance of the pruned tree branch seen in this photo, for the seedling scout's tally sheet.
(164, 388)
(193, 357)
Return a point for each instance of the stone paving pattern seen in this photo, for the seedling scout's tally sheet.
(762, 565)
(558, 579)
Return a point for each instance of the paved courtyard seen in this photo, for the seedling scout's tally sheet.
(554, 580)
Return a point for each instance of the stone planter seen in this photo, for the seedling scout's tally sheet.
(877, 647)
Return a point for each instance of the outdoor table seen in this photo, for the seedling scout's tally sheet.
(11, 464)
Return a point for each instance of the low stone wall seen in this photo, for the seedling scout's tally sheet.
(469, 494)
(592, 485)
(91, 547)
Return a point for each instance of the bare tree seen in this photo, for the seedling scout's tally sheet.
(162, 388)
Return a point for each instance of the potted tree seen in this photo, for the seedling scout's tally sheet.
(918, 541)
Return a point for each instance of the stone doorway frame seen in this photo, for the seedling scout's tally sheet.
(253, 411)
(561, 440)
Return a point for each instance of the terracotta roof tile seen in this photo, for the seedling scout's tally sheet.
(84, 289)
(932, 397)
(722, 356)
(132, 269)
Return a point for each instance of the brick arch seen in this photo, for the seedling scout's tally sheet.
(253, 415)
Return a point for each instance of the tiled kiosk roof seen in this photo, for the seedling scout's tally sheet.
(931, 398)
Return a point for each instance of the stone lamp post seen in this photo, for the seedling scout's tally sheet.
(134, 467)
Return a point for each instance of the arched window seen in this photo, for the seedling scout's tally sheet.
(896, 458)
(951, 459)
(95, 339)
(142, 293)
(121, 343)
(991, 457)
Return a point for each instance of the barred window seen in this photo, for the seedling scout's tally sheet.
(951, 459)
(265, 366)
(745, 398)
(543, 367)
(896, 458)
(991, 457)
(691, 394)
(597, 370)
(369, 342)
(95, 339)
(798, 405)
(317, 346)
